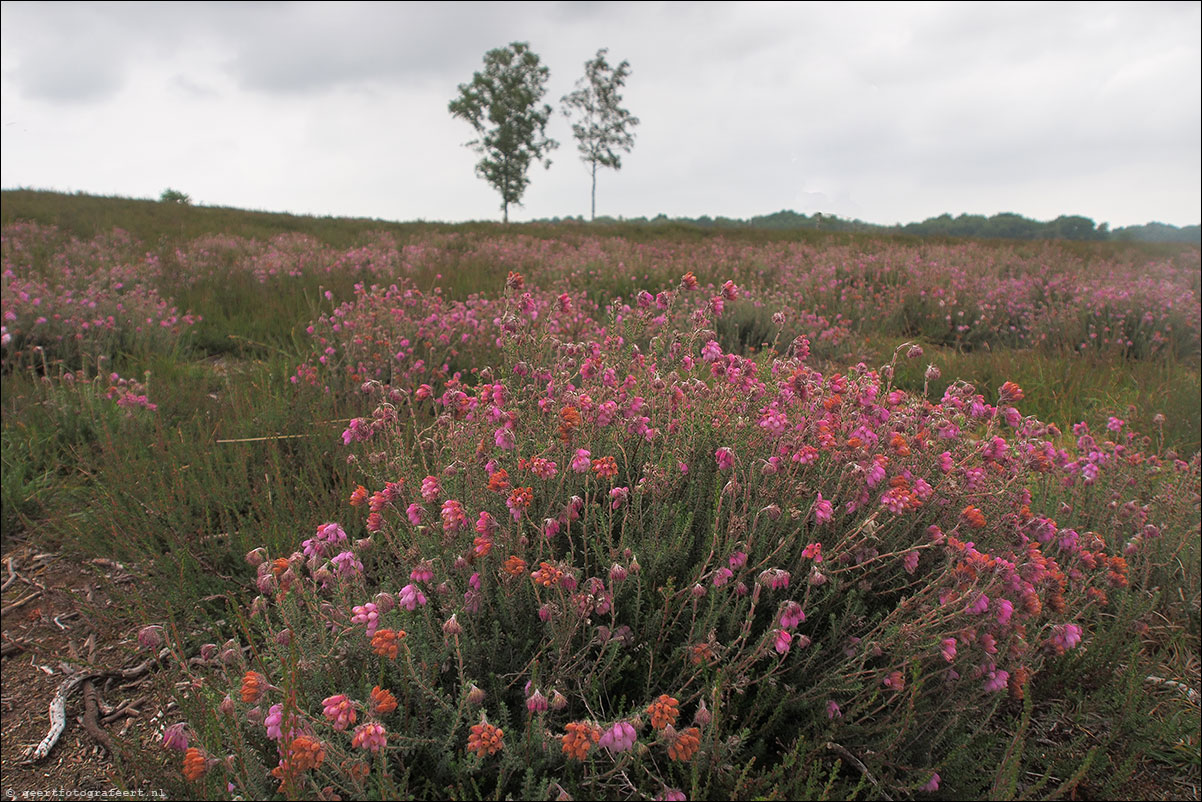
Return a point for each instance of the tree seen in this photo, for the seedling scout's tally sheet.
(604, 126)
(175, 196)
(502, 104)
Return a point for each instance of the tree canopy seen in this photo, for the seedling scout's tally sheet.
(604, 127)
(502, 103)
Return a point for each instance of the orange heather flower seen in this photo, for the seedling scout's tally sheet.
(278, 566)
(569, 420)
(515, 281)
(359, 496)
(899, 445)
(701, 653)
(579, 738)
(306, 752)
(689, 280)
(498, 481)
(605, 467)
(382, 701)
(254, 685)
(663, 711)
(1010, 393)
(520, 497)
(546, 575)
(973, 516)
(1018, 682)
(685, 744)
(385, 642)
(515, 565)
(485, 739)
(195, 764)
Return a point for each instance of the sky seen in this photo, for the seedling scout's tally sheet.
(886, 112)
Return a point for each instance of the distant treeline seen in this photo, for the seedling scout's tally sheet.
(1002, 226)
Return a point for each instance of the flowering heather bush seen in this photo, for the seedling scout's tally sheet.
(74, 299)
(623, 561)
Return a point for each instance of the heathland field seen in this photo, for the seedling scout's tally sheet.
(590, 512)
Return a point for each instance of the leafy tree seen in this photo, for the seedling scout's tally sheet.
(604, 127)
(502, 104)
(175, 196)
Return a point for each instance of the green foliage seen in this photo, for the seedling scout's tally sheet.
(604, 127)
(175, 196)
(502, 105)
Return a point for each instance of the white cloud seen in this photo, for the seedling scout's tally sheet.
(889, 112)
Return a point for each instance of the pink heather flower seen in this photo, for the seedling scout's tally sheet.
(813, 551)
(932, 786)
(948, 648)
(996, 679)
(618, 496)
(347, 564)
(504, 439)
(876, 474)
(274, 722)
(536, 702)
(977, 606)
(581, 462)
(422, 572)
(1004, 610)
(151, 637)
(620, 737)
(823, 510)
(430, 489)
(486, 525)
(414, 513)
(910, 561)
(784, 639)
(367, 614)
(1114, 424)
(946, 463)
(550, 528)
(895, 681)
(832, 710)
(671, 795)
(725, 458)
(1066, 636)
(711, 351)
(411, 597)
(339, 710)
(775, 579)
(737, 560)
(454, 519)
(370, 735)
(791, 615)
(722, 576)
(175, 737)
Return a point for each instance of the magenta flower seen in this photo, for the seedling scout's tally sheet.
(932, 785)
(823, 510)
(948, 648)
(370, 735)
(784, 640)
(367, 614)
(621, 737)
(581, 462)
(414, 513)
(339, 710)
(411, 597)
(725, 458)
(722, 576)
(431, 489)
(454, 519)
(832, 710)
(175, 737)
(791, 615)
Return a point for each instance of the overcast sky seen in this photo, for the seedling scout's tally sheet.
(888, 112)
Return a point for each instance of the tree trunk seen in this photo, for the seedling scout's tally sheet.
(593, 213)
